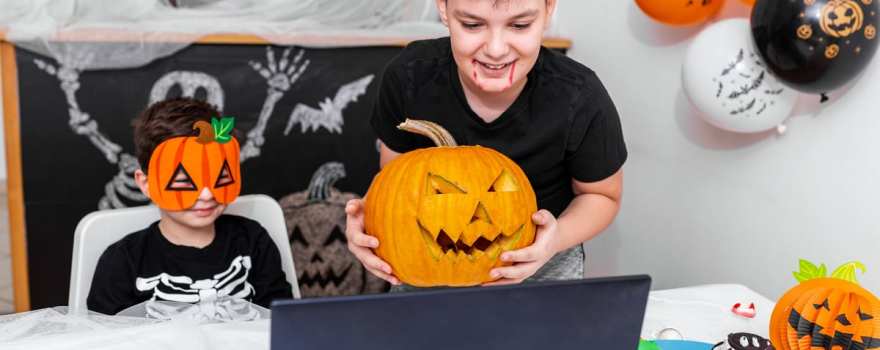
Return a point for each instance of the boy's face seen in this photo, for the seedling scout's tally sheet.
(201, 214)
(495, 43)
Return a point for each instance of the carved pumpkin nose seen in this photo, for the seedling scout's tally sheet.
(480, 214)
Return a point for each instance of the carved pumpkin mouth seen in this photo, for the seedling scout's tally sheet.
(805, 327)
(330, 278)
(487, 241)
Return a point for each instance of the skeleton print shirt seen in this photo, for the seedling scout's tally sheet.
(241, 262)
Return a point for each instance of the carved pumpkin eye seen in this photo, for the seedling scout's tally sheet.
(843, 320)
(439, 185)
(504, 183)
(823, 304)
(297, 236)
(225, 176)
(181, 181)
(335, 236)
(864, 317)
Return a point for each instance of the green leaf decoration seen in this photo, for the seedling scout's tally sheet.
(847, 271)
(223, 128)
(809, 271)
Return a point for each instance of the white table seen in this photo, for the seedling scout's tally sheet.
(699, 313)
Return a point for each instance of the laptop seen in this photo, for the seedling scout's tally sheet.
(600, 313)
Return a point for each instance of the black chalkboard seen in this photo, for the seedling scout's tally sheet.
(68, 168)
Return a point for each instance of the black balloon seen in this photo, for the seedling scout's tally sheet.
(815, 46)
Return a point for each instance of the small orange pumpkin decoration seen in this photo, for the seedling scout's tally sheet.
(841, 18)
(826, 313)
(181, 167)
(444, 214)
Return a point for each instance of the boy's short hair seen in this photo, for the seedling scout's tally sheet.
(166, 119)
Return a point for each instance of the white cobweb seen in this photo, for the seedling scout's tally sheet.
(132, 33)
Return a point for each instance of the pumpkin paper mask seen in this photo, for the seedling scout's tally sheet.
(181, 167)
(826, 313)
(444, 214)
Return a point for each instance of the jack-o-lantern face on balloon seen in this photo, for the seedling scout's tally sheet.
(841, 18)
(443, 215)
(826, 313)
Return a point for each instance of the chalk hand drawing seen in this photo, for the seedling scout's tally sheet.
(279, 77)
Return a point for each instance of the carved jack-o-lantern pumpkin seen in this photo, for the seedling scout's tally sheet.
(826, 313)
(443, 215)
(841, 18)
(316, 223)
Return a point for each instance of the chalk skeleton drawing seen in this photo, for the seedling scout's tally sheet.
(121, 191)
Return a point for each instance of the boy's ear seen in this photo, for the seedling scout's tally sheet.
(551, 9)
(141, 179)
(441, 9)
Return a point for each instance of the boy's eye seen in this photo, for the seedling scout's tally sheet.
(470, 25)
(520, 26)
(225, 176)
(181, 181)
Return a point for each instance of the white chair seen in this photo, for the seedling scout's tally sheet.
(98, 230)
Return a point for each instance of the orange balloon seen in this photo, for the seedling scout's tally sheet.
(680, 12)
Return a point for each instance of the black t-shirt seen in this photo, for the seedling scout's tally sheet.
(241, 261)
(562, 126)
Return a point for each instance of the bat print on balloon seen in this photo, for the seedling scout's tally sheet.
(744, 87)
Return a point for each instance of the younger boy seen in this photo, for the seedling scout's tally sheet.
(193, 253)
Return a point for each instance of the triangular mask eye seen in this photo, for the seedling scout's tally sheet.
(225, 176)
(180, 181)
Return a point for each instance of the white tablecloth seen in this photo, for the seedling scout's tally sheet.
(699, 313)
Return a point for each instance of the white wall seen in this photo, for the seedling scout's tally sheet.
(703, 205)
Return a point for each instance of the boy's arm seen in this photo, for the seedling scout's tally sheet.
(267, 277)
(112, 287)
(591, 211)
(594, 207)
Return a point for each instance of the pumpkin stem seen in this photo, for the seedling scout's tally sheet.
(206, 132)
(324, 179)
(435, 132)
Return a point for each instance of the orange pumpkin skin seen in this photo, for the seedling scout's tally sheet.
(470, 194)
(203, 163)
(829, 313)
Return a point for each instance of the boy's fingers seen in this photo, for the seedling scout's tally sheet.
(353, 207)
(390, 278)
(370, 260)
(520, 255)
(515, 272)
(501, 282)
(364, 240)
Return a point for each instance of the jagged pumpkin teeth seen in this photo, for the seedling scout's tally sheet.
(441, 213)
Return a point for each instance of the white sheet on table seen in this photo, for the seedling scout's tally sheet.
(704, 314)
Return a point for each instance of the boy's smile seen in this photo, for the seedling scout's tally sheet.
(495, 43)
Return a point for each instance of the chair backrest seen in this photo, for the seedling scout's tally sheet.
(98, 230)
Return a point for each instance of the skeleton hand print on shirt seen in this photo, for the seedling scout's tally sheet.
(231, 283)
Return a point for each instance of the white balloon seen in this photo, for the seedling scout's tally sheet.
(725, 78)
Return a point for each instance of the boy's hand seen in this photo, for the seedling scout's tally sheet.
(528, 260)
(359, 243)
